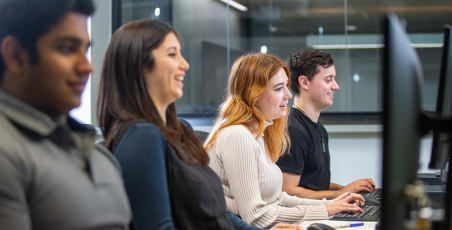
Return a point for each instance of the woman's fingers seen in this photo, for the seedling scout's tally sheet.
(342, 196)
(351, 208)
(283, 226)
(355, 198)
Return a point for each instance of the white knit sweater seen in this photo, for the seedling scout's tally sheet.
(252, 183)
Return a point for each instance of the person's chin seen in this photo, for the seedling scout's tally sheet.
(180, 94)
(75, 100)
(330, 104)
(69, 105)
(281, 116)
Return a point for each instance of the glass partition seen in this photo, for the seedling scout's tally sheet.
(216, 32)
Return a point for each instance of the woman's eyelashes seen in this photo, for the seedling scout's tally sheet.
(280, 88)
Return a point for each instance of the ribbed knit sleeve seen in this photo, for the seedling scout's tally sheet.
(291, 201)
(253, 183)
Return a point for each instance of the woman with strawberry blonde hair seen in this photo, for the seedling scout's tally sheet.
(249, 136)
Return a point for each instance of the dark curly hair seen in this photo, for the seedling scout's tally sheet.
(306, 63)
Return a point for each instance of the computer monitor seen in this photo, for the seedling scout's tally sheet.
(442, 133)
(402, 77)
(442, 140)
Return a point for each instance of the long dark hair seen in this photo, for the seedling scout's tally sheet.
(123, 95)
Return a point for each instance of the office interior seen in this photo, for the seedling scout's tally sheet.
(215, 33)
(350, 30)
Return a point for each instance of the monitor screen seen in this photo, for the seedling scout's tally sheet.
(402, 76)
(442, 140)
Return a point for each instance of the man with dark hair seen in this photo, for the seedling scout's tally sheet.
(51, 174)
(306, 168)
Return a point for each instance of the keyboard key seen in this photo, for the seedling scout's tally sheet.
(374, 210)
(371, 213)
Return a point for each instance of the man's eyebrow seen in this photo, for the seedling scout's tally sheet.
(73, 40)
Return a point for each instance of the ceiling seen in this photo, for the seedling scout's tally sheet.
(301, 17)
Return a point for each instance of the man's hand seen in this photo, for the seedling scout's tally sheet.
(363, 185)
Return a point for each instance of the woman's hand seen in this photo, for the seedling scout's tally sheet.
(341, 196)
(344, 203)
(282, 226)
(356, 198)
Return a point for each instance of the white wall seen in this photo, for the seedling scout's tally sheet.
(356, 158)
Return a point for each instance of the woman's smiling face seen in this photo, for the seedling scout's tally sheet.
(164, 81)
(273, 102)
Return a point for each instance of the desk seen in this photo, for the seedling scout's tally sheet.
(367, 225)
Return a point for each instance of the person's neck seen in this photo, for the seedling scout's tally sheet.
(61, 120)
(308, 109)
(58, 117)
(161, 109)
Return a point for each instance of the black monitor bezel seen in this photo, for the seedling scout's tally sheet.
(402, 122)
(441, 140)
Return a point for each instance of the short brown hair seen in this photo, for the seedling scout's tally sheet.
(306, 63)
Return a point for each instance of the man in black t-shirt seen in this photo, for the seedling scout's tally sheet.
(306, 169)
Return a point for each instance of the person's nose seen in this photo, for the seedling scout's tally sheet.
(84, 67)
(184, 64)
(335, 86)
(287, 95)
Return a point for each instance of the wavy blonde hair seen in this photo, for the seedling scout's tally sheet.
(249, 79)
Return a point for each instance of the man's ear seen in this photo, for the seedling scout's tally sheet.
(14, 55)
(303, 81)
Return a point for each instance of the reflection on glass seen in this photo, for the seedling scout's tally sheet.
(351, 35)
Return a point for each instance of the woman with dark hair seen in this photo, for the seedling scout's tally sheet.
(165, 167)
(247, 139)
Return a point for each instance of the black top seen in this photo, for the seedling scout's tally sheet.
(307, 157)
(197, 198)
(166, 192)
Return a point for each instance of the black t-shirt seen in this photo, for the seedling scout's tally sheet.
(306, 156)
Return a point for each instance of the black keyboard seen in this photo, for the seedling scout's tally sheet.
(371, 213)
(434, 189)
(376, 193)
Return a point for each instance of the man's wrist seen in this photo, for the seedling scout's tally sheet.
(336, 187)
(337, 193)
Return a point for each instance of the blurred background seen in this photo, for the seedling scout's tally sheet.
(216, 33)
